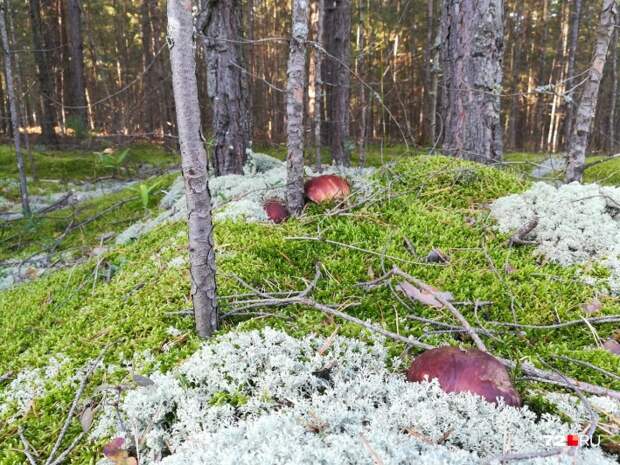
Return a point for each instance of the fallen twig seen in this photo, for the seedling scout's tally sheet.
(525, 456)
(593, 321)
(518, 238)
(526, 368)
(446, 303)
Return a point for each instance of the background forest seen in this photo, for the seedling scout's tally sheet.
(127, 83)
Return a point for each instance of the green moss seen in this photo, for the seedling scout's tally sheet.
(80, 227)
(55, 168)
(376, 155)
(432, 202)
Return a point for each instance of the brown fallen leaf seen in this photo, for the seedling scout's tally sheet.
(429, 296)
(592, 306)
(508, 268)
(437, 256)
(612, 346)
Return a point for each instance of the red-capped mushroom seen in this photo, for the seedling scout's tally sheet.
(459, 370)
(276, 210)
(327, 187)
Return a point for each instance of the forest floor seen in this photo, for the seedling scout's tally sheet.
(128, 298)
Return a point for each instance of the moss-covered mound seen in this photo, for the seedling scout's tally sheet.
(427, 203)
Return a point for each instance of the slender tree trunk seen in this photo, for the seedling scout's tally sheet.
(428, 72)
(318, 83)
(295, 107)
(220, 21)
(337, 76)
(570, 74)
(611, 146)
(13, 107)
(194, 166)
(76, 101)
(472, 46)
(148, 98)
(44, 75)
(578, 142)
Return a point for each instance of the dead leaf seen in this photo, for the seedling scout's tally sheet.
(86, 419)
(592, 307)
(431, 296)
(142, 380)
(508, 268)
(612, 346)
(437, 256)
(114, 451)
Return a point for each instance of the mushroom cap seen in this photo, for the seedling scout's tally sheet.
(460, 370)
(327, 187)
(276, 210)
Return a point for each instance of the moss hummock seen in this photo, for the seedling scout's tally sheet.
(429, 202)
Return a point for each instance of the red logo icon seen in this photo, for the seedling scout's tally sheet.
(572, 440)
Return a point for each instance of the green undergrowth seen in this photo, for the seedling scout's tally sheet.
(376, 155)
(80, 227)
(431, 202)
(53, 169)
(607, 172)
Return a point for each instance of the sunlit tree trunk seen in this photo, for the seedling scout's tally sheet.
(586, 110)
(471, 57)
(13, 107)
(194, 166)
(45, 75)
(295, 107)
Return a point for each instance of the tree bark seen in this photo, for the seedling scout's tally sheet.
(428, 72)
(44, 75)
(611, 145)
(295, 89)
(337, 76)
(472, 46)
(570, 73)
(318, 83)
(578, 142)
(13, 108)
(227, 85)
(76, 101)
(194, 166)
(148, 98)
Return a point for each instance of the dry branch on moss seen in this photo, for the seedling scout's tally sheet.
(264, 299)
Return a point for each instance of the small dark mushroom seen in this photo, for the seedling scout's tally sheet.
(276, 210)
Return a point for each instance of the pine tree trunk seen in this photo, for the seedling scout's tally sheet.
(586, 110)
(194, 166)
(13, 108)
(428, 73)
(227, 84)
(318, 83)
(570, 74)
(295, 89)
(612, 144)
(44, 75)
(472, 46)
(76, 101)
(148, 98)
(337, 76)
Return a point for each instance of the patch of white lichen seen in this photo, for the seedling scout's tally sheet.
(577, 223)
(238, 196)
(267, 398)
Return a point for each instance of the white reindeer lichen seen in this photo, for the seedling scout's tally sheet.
(577, 223)
(266, 398)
